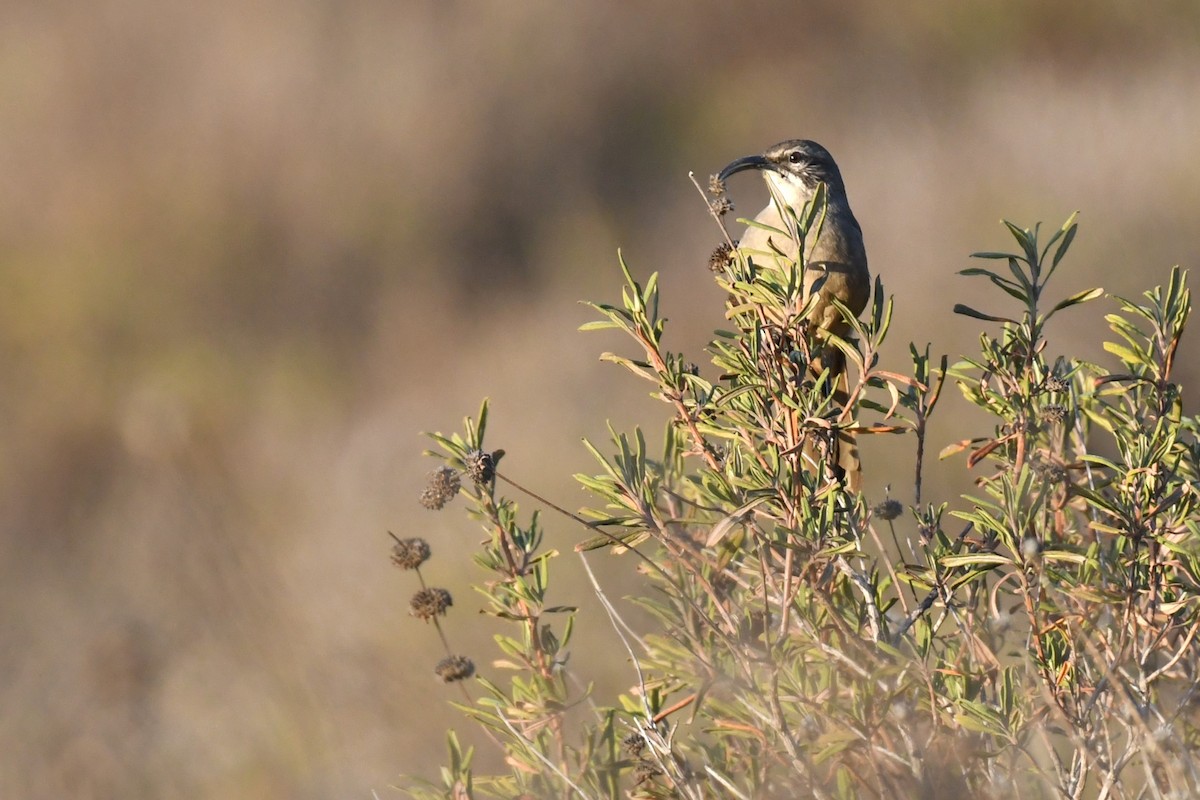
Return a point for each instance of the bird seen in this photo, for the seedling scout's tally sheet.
(834, 257)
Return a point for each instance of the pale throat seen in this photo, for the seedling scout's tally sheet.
(793, 191)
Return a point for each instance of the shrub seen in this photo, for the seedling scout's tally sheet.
(1035, 638)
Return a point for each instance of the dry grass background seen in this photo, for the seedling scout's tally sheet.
(248, 251)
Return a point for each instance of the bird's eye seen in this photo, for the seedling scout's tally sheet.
(795, 157)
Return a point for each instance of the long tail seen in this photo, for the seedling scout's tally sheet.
(843, 456)
(846, 455)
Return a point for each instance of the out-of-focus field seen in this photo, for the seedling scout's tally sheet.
(248, 252)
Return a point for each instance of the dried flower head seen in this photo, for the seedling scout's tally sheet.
(1055, 412)
(888, 509)
(429, 603)
(442, 487)
(1049, 471)
(716, 186)
(480, 466)
(1056, 384)
(722, 254)
(634, 743)
(455, 668)
(645, 773)
(410, 553)
(722, 206)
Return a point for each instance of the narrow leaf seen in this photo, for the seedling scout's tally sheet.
(1076, 299)
(967, 311)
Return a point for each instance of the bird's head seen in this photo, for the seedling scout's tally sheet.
(794, 168)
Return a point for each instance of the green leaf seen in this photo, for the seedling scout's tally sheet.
(967, 311)
(1026, 238)
(1021, 277)
(599, 325)
(737, 516)
(981, 719)
(1076, 299)
(1064, 555)
(620, 541)
(1125, 354)
(481, 428)
(974, 559)
(1011, 289)
(1069, 228)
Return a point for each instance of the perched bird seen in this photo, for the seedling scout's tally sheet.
(835, 260)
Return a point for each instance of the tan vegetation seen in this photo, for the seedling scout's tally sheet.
(247, 252)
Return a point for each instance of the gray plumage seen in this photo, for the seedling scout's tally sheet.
(794, 169)
(835, 258)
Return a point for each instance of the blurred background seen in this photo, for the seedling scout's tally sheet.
(249, 251)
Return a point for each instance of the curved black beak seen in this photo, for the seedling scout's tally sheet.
(742, 164)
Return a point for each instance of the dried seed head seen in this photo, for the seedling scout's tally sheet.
(1049, 471)
(455, 668)
(429, 603)
(722, 254)
(480, 466)
(645, 773)
(634, 743)
(722, 206)
(716, 186)
(1055, 412)
(410, 553)
(1056, 384)
(888, 509)
(442, 487)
